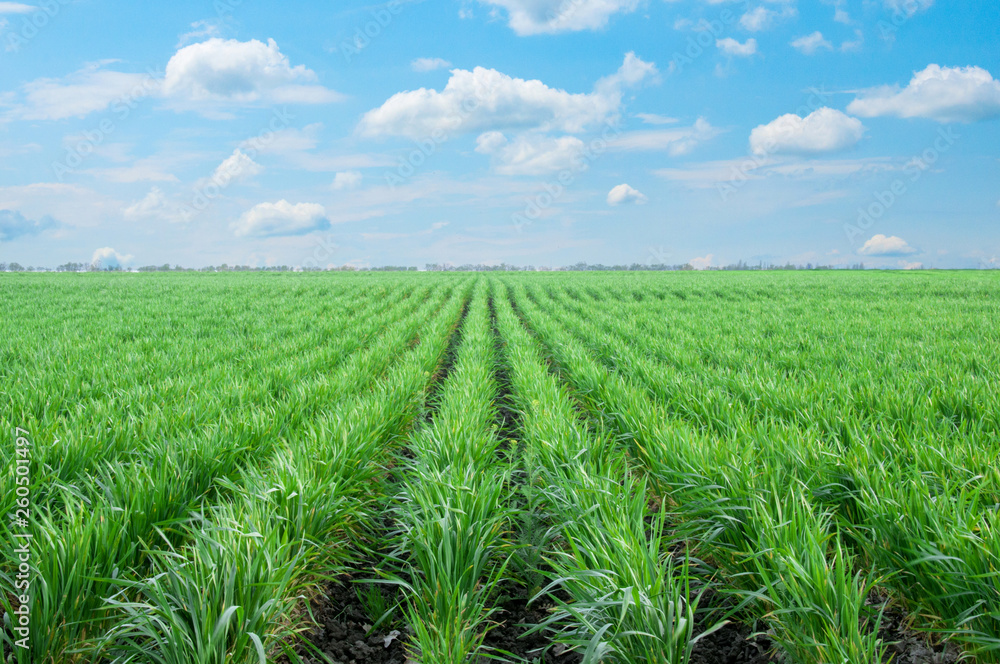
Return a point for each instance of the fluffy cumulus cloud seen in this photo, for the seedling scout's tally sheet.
(534, 17)
(107, 257)
(13, 225)
(730, 46)
(429, 64)
(347, 180)
(485, 99)
(880, 245)
(624, 193)
(810, 44)
(530, 154)
(281, 218)
(237, 167)
(824, 130)
(945, 94)
(228, 70)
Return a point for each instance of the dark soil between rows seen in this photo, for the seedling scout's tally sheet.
(509, 634)
(342, 631)
(907, 646)
(733, 644)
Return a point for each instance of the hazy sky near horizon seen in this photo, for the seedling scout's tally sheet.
(541, 132)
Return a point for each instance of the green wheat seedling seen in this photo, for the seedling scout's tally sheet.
(379, 609)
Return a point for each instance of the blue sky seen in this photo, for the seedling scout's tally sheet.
(541, 132)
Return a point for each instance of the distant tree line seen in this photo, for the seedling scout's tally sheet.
(429, 267)
(633, 267)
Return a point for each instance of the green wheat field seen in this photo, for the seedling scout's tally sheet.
(195, 460)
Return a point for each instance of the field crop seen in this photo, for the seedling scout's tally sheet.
(555, 467)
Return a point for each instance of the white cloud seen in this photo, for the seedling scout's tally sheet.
(762, 18)
(654, 119)
(237, 167)
(880, 245)
(108, 257)
(347, 180)
(824, 130)
(489, 142)
(13, 225)
(679, 141)
(533, 17)
(220, 70)
(908, 7)
(281, 218)
(429, 64)
(92, 88)
(756, 19)
(945, 94)
(810, 44)
(702, 262)
(15, 8)
(530, 154)
(200, 31)
(485, 99)
(155, 207)
(624, 193)
(634, 71)
(730, 46)
(855, 45)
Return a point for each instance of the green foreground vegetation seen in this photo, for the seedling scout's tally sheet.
(197, 456)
